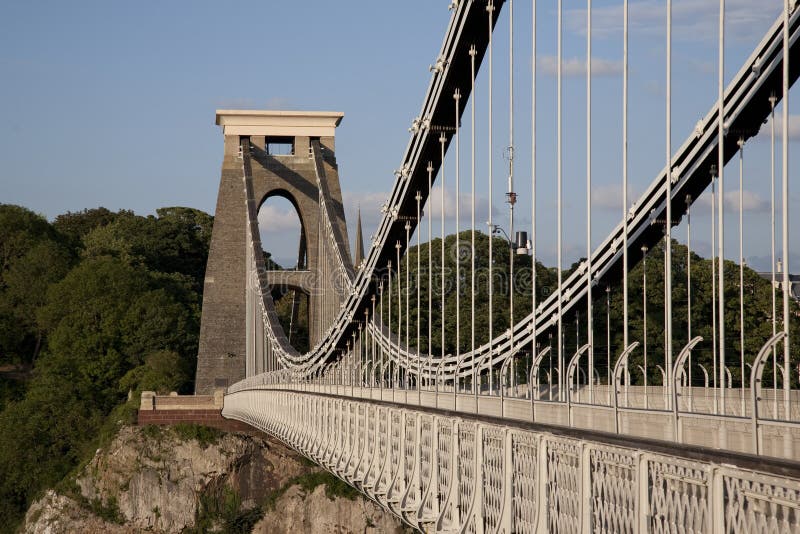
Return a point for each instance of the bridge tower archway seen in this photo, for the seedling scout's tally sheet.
(285, 248)
(282, 164)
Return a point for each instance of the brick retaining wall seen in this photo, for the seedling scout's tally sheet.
(198, 409)
(212, 418)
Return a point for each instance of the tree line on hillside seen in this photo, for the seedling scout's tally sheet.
(94, 307)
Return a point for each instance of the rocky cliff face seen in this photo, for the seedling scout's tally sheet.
(191, 479)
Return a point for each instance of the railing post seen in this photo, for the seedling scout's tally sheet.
(533, 379)
(756, 373)
(619, 367)
(677, 373)
(502, 385)
(664, 384)
(478, 493)
(573, 364)
(643, 493)
(716, 498)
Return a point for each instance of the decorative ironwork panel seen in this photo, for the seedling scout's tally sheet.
(352, 431)
(410, 456)
(394, 449)
(758, 503)
(426, 457)
(330, 426)
(340, 432)
(678, 496)
(363, 433)
(444, 464)
(382, 445)
(466, 470)
(493, 477)
(524, 457)
(614, 487)
(372, 439)
(563, 486)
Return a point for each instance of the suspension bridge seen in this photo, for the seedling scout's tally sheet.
(458, 420)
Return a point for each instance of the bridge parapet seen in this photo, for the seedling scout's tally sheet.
(779, 438)
(447, 472)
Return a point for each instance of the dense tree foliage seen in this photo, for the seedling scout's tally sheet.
(32, 257)
(458, 265)
(75, 225)
(94, 307)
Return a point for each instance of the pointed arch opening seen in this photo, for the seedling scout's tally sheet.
(284, 246)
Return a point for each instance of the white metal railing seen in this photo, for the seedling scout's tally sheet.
(777, 437)
(444, 473)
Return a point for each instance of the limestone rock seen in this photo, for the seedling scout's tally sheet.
(57, 514)
(299, 511)
(155, 479)
(163, 480)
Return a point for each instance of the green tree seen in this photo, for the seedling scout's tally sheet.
(161, 371)
(27, 281)
(85, 317)
(33, 256)
(20, 230)
(110, 304)
(176, 241)
(457, 303)
(75, 225)
(42, 438)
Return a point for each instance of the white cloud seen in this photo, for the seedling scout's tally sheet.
(576, 67)
(794, 128)
(278, 103)
(464, 205)
(762, 262)
(371, 203)
(278, 219)
(751, 202)
(691, 19)
(608, 197)
(279, 226)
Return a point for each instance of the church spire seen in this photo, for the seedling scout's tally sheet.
(359, 242)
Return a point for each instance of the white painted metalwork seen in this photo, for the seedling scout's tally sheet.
(473, 468)
(607, 255)
(443, 473)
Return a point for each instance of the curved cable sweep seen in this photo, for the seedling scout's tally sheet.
(747, 106)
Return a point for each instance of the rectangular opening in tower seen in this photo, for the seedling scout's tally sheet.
(280, 146)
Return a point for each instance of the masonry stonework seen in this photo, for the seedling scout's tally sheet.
(221, 359)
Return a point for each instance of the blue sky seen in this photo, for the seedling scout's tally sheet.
(112, 103)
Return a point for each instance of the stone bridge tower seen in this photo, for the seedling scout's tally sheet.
(282, 165)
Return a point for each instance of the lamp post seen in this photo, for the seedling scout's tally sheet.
(520, 247)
